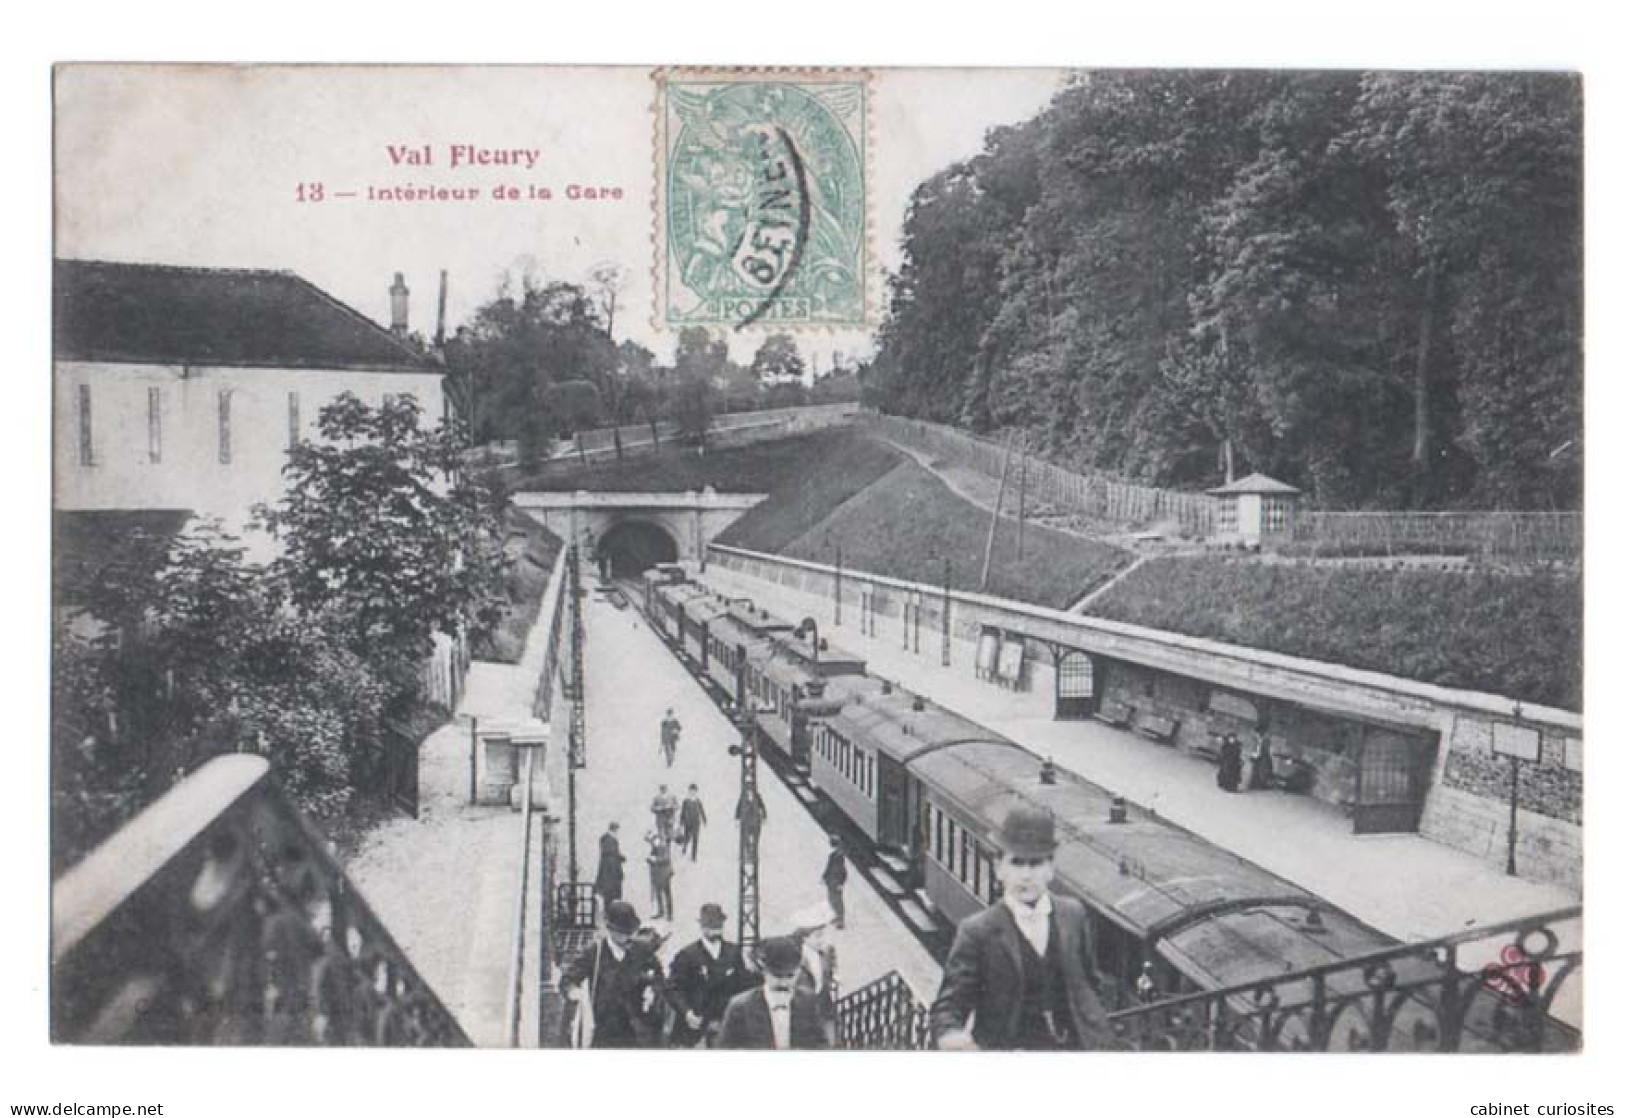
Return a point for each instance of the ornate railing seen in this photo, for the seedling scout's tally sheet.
(1427, 997)
(218, 917)
(883, 1015)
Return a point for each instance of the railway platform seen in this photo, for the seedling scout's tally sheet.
(632, 677)
(1404, 885)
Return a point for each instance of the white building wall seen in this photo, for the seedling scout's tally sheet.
(189, 472)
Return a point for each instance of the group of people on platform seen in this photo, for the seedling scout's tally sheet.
(1020, 974)
(1235, 770)
(713, 995)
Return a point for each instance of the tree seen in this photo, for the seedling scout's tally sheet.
(643, 395)
(778, 360)
(518, 346)
(377, 541)
(576, 407)
(693, 405)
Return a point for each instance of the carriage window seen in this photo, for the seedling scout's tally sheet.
(953, 848)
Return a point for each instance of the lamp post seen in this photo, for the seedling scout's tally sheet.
(1520, 743)
(947, 602)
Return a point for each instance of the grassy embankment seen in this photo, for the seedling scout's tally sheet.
(533, 550)
(1517, 635)
(907, 521)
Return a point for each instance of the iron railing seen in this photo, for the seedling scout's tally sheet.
(217, 916)
(882, 1016)
(1427, 997)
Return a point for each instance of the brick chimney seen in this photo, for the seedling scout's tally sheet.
(398, 291)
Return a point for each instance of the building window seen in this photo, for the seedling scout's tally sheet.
(155, 424)
(1227, 516)
(1274, 514)
(225, 425)
(87, 448)
(293, 420)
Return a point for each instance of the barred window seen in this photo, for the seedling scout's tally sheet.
(225, 425)
(155, 424)
(87, 447)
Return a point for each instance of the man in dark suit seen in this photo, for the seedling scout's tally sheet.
(611, 862)
(835, 880)
(704, 978)
(625, 982)
(1023, 968)
(776, 1015)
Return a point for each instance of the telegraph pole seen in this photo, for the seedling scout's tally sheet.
(947, 580)
(751, 817)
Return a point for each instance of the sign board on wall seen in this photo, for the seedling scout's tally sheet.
(1509, 740)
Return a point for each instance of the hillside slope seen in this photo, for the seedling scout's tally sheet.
(1518, 635)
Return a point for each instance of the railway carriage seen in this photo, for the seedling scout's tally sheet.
(927, 788)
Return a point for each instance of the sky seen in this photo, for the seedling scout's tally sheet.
(203, 165)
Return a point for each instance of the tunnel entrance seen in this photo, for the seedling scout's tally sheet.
(633, 546)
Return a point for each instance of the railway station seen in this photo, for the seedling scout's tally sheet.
(1145, 613)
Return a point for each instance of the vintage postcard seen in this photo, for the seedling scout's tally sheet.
(817, 558)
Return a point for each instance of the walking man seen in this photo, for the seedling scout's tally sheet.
(660, 874)
(705, 977)
(690, 820)
(776, 1014)
(1021, 974)
(751, 813)
(615, 986)
(611, 874)
(670, 731)
(835, 880)
(664, 808)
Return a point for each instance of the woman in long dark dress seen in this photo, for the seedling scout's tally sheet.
(1262, 777)
(1230, 763)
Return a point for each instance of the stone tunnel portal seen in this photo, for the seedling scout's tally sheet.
(633, 546)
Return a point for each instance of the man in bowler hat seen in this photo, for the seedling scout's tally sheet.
(1023, 968)
(703, 979)
(625, 981)
(776, 1014)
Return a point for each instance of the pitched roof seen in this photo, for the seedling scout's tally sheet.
(166, 315)
(1254, 483)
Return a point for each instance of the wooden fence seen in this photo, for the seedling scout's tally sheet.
(1090, 495)
(1556, 536)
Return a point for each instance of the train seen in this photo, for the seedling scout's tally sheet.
(1170, 912)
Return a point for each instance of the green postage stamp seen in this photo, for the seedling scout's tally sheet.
(762, 199)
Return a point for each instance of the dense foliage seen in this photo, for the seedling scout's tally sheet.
(309, 661)
(1367, 285)
(1517, 635)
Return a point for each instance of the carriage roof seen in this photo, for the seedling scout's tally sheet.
(1227, 920)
